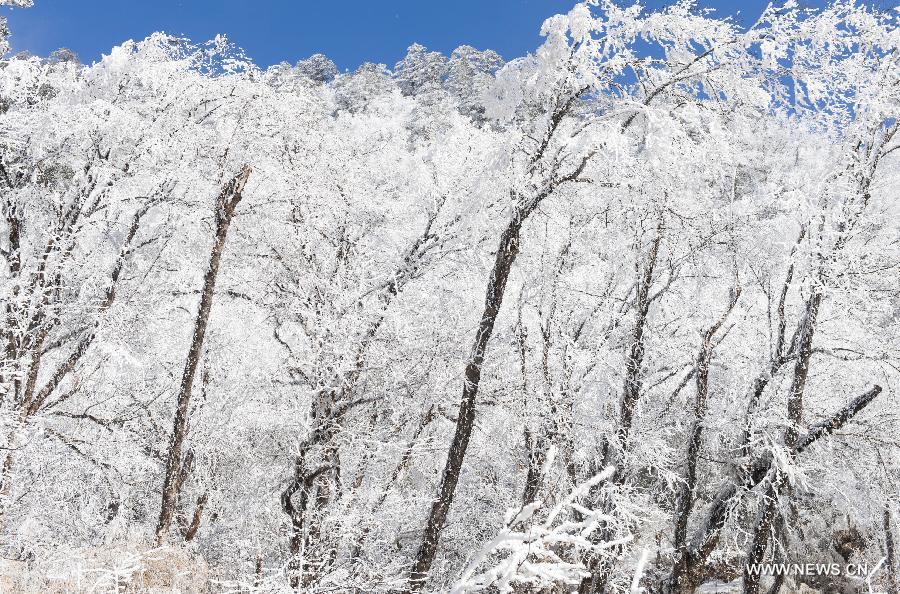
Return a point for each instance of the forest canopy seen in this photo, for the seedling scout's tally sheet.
(620, 315)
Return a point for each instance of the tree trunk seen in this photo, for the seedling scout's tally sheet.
(194, 526)
(634, 363)
(801, 370)
(769, 504)
(778, 357)
(507, 250)
(695, 439)
(759, 542)
(317, 465)
(226, 203)
(890, 555)
(537, 445)
(600, 568)
(506, 256)
(705, 538)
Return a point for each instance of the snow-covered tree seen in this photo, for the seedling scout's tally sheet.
(4, 28)
(292, 329)
(420, 71)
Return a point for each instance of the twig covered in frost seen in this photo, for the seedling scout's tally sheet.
(537, 554)
(639, 573)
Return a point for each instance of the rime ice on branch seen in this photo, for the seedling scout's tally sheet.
(662, 243)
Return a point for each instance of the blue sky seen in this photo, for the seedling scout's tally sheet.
(271, 31)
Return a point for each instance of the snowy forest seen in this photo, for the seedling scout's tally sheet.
(618, 316)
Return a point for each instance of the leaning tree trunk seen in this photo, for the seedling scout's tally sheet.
(600, 568)
(706, 536)
(32, 400)
(507, 251)
(685, 502)
(496, 286)
(769, 505)
(506, 256)
(226, 203)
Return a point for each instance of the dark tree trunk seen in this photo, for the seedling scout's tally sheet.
(30, 400)
(706, 537)
(779, 355)
(769, 505)
(600, 568)
(226, 202)
(536, 451)
(531, 448)
(759, 543)
(537, 445)
(310, 490)
(507, 250)
(695, 440)
(890, 555)
(634, 362)
(317, 465)
(506, 256)
(194, 526)
(801, 370)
